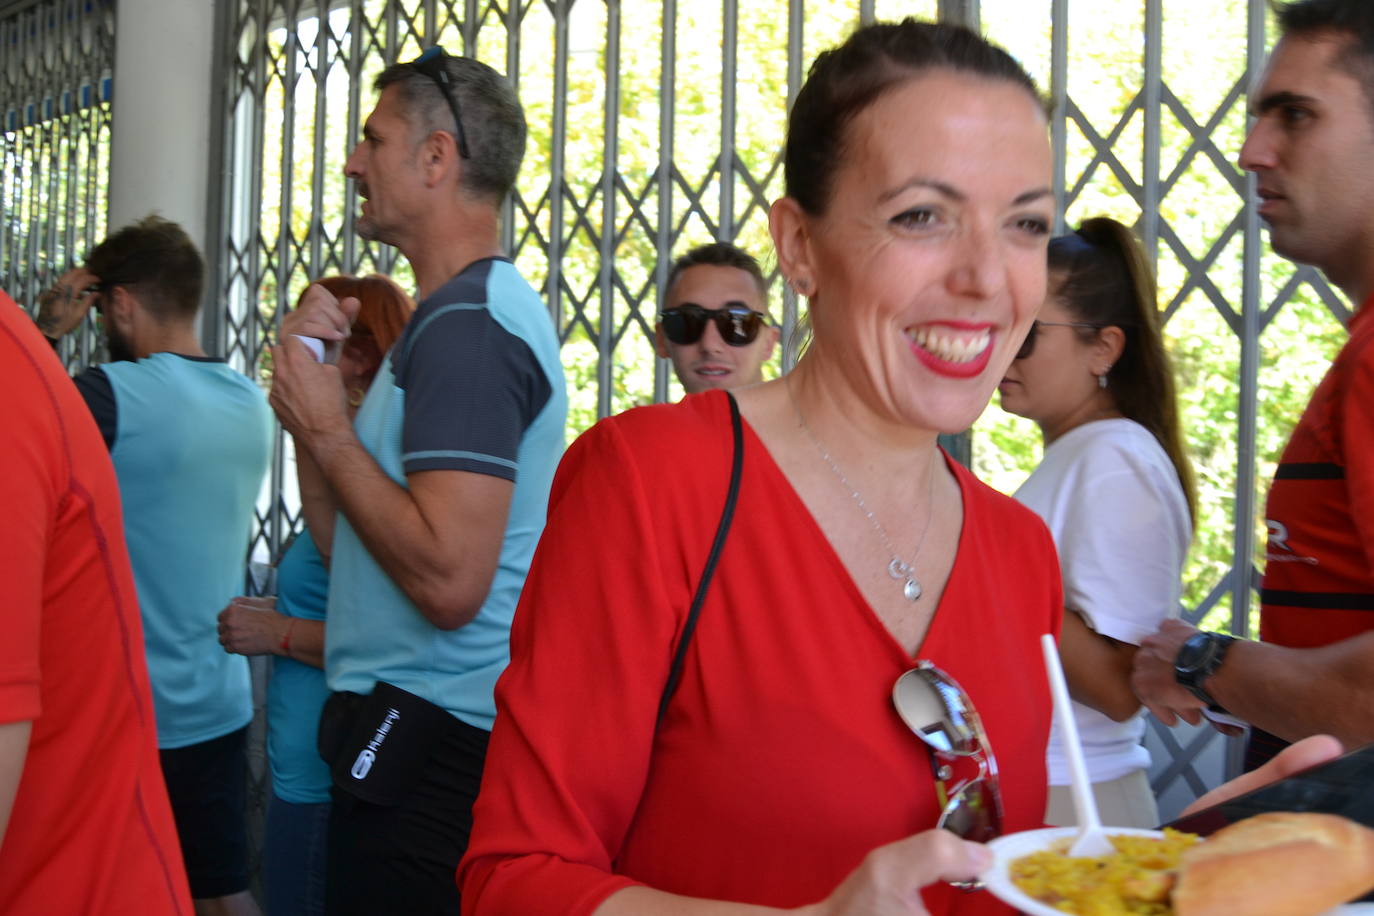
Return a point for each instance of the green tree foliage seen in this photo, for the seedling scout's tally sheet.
(1200, 263)
(609, 188)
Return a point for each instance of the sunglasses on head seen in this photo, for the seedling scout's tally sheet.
(736, 323)
(940, 713)
(1028, 345)
(434, 64)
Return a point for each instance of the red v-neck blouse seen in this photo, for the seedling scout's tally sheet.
(781, 761)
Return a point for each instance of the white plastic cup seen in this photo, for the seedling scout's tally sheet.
(315, 345)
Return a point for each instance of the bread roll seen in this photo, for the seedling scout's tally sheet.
(1276, 864)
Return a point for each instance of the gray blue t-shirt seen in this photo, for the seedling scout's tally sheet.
(474, 384)
(190, 440)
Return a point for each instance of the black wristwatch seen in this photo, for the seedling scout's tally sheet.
(1198, 659)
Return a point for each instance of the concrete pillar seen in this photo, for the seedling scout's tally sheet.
(963, 12)
(162, 109)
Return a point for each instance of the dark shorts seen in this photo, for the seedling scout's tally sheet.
(208, 786)
(402, 857)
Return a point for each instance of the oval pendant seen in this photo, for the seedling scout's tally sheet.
(912, 590)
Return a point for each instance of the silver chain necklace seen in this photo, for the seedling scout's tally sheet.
(897, 568)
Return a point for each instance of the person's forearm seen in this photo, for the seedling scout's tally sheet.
(1294, 693)
(432, 573)
(317, 503)
(1098, 669)
(645, 901)
(303, 641)
(14, 749)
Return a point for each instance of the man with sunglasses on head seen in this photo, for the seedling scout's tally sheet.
(440, 488)
(1309, 147)
(714, 324)
(190, 438)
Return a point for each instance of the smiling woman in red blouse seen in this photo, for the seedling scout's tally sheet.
(781, 776)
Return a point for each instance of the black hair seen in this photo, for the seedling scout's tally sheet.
(846, 80)
(1350, 19)
(719, 254)
(158, 257)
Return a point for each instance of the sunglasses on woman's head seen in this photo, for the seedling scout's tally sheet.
(939, 712)
(737, 324)
(1028, 345)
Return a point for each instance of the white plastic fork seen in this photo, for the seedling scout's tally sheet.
(1092, 839)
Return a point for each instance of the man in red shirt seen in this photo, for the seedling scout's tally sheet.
(85, 826)
(1310, 148)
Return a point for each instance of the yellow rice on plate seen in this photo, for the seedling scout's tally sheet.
(1135, 880)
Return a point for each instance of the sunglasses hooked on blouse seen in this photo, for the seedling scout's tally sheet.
(940, 713)
(737, 324)
(1028, 345)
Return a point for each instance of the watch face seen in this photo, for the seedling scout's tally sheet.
(1195, 652)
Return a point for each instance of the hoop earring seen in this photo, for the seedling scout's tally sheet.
(355, 397)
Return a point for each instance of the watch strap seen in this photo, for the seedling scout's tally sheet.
(1194, 678)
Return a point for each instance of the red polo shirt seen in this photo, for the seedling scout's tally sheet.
(1319, 579)
(91, 830)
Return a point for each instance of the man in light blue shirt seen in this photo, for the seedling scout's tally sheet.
(190, 439)
(440, 485)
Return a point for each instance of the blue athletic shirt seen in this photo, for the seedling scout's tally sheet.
(296, 692)
(191, 446)
(473, 384)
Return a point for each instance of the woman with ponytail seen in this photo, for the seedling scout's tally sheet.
(1115, 489)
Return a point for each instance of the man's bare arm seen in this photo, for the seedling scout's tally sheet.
(317, 503)
(14, 748)
(1294, 693)
(1291, 693)
(439, 541)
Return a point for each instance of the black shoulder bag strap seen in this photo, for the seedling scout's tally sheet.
(723, 529)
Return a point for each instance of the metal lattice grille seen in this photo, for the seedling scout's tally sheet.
(655, 126)
(652, 128)
(55, 64)
(1149, 116)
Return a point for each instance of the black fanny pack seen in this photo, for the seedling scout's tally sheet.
(377, 744)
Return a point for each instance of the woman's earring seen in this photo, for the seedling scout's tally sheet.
(1102, 380)
(355, 397)
(801, 286)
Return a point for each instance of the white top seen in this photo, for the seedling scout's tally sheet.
(1114, 504)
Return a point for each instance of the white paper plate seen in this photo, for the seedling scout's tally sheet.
(1007, 849)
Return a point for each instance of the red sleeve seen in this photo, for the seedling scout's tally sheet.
(1357, 445)
(590, 650)
(28, 462)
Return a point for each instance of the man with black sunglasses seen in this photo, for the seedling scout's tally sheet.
(440, 487)
(714, 324)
